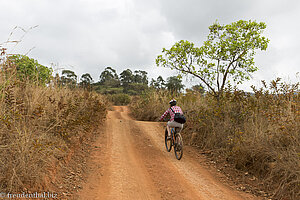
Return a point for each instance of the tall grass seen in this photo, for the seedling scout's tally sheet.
(258, 133)
(39, 127)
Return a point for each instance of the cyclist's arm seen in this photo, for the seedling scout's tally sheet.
(164, 115)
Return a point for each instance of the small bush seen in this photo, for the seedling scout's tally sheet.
(120, 99)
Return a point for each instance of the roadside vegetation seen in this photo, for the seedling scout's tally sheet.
(42, 124)
(258, 132)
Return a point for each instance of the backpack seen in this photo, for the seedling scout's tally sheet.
(180, 118)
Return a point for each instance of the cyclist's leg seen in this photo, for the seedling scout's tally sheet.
(180, 126)
(169, 129)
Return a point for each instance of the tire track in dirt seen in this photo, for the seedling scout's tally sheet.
(135, 165)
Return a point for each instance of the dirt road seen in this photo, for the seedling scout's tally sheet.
(132, 163)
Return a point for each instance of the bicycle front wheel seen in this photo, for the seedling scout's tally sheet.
(178, 148)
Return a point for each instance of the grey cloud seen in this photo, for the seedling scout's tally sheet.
(190, 19)
(87, 36)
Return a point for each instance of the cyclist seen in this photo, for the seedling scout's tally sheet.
(171, 111)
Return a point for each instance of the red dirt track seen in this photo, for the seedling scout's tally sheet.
(132, 163)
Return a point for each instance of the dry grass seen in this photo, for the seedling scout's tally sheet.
(39, 127)
(258, 134)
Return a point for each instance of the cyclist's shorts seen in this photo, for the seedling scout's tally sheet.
(175, 124)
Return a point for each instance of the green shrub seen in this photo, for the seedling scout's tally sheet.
(120, 99)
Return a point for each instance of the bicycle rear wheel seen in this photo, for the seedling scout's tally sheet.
(178, 148)
(168, 141)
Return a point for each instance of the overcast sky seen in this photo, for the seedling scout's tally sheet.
(89, 35)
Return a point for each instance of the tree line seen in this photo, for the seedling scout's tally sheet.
(128, 82)
(109, 82)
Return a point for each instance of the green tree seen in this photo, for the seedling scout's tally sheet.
(154, 84)
(126, 77)
(69, 78)
(140, 76)
(159, 83)
(228, 53)
(139, 84)
(109, 82)
(109, 77)
(174, 84)
(86, 80)
(30, 69)
(134, 83)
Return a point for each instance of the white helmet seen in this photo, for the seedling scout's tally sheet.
(173, 102)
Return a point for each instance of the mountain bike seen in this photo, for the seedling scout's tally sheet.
(174, 141)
